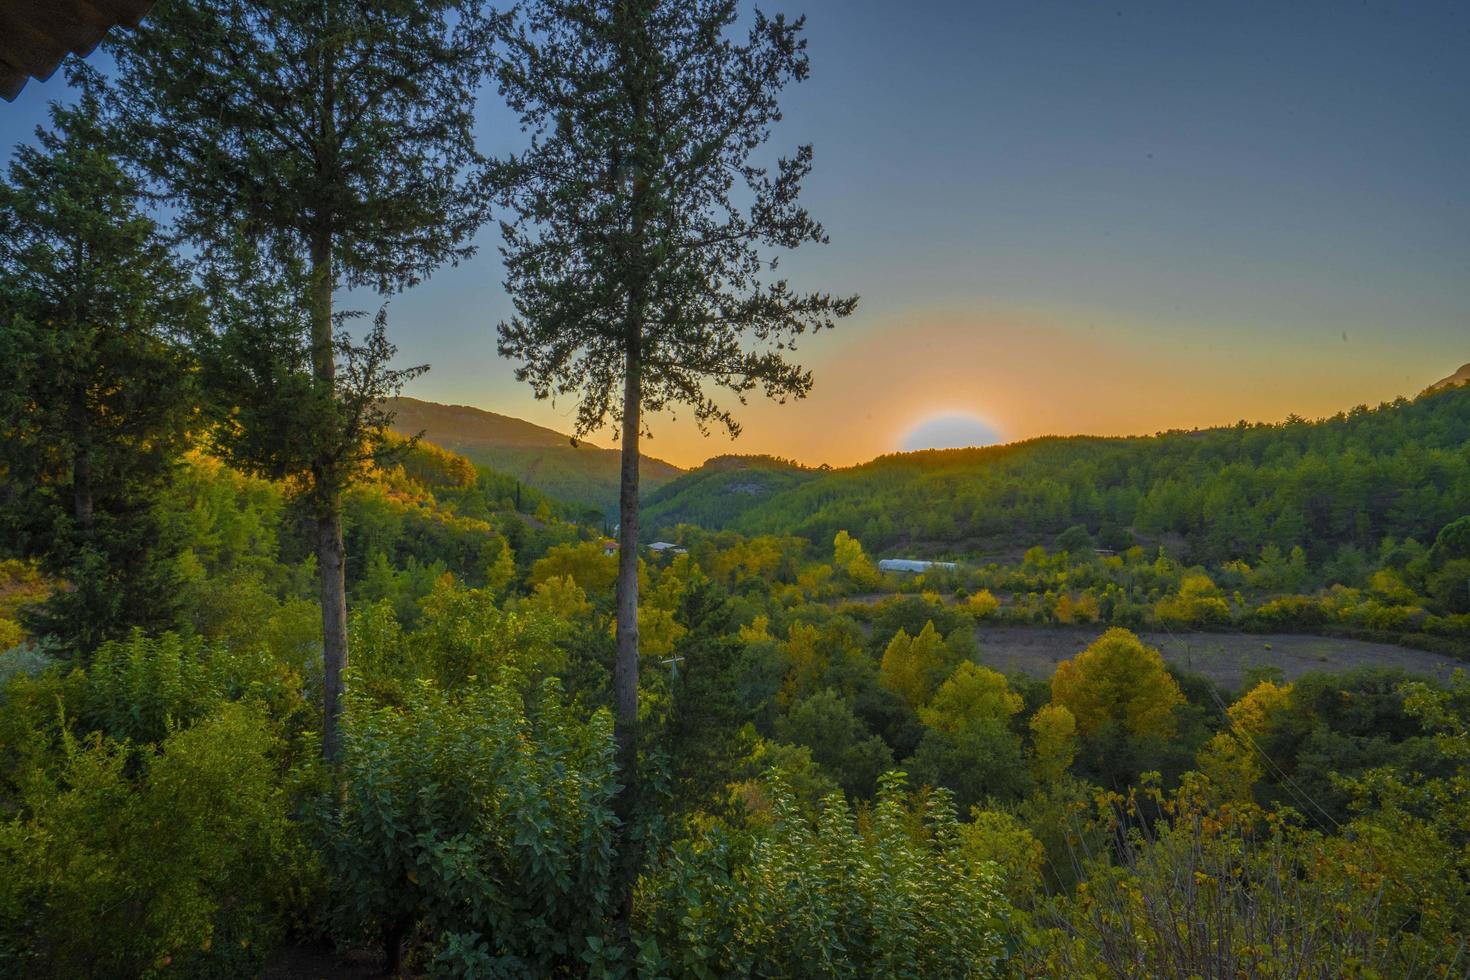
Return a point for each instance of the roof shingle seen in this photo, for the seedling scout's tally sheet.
(36, 34)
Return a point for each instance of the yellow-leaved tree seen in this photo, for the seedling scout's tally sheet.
(983, 604)
(584, 562)
(805, 664)
(1230, 760)
(1198, 603)
(1118, 681)
(559, 597)
(1053, 743)
(849, 558)
(972, 697)
(911, 663)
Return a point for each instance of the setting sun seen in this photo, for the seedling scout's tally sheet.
(949, 430)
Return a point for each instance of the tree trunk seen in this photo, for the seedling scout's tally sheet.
(330, 555)
(81, 472)
(331, 568)
(81, 466)
(625, 667)
(393, 935)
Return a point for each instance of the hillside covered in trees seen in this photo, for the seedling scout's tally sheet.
(569, 469)
(285, 694)
(1336, 487)
(477, 771)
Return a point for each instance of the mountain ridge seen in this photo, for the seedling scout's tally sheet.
(1460, 377)
(1205, 487)
(570, 469)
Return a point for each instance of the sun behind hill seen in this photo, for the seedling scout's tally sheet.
(951, 430)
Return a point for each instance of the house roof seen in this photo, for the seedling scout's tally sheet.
(912, 565)
(36, 34)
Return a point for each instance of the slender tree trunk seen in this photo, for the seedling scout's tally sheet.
(331, 556)
(331, 562)
(631, 22)
(625, 667)
(81, 502)
(393, 935)
(81, 464)
(81, 467)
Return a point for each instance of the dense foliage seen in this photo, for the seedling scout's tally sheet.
(473, 802)
(837, 775)
(1334, 487)
(95, 390)
(568, 469)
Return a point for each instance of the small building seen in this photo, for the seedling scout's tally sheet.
(914, 566)
(609, 546)
(666, 547)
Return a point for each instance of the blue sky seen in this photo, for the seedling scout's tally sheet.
(1079, 217)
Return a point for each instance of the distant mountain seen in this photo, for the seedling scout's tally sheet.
(1338, 486)
(537, 456)
(1460, 377)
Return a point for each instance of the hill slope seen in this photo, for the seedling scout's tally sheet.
(1460, 377)
(1336, 487)
(543, 458)
(722, 490)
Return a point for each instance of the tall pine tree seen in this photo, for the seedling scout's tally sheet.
(95, 387)
(335, 136)
(642, 230)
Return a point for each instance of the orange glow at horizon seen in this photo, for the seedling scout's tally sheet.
(1031, 375)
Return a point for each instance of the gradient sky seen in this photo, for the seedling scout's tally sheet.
(1077, 218)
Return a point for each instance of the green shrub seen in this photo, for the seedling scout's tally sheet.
(1288, 611)
(184, 867)
(890, 896)
(1232, 893)
(34, 709)
(487, 825)
(136, 688)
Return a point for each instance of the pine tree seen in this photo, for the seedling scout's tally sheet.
(95, 387)
(336, 137)
(641, 228)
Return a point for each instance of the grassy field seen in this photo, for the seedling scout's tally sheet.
(1223, 657)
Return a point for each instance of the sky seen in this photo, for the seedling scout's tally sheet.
(1099, 218)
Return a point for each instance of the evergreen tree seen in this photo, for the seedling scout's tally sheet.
(95, 387)
(336, 136)
(641, 228)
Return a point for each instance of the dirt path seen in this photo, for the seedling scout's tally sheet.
(1223, 657)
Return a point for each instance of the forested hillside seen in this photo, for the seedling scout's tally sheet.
(1333, 487)
(285, 694)
(167, 791)
(569, 469)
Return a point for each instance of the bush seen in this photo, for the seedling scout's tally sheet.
(1287, 611)
(983, 604)
(25, 660)
(1231, 893)
(1450, 586)
(489, 825)
(894, 895)
(137, 688)
(185, 867)
(11, 634)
